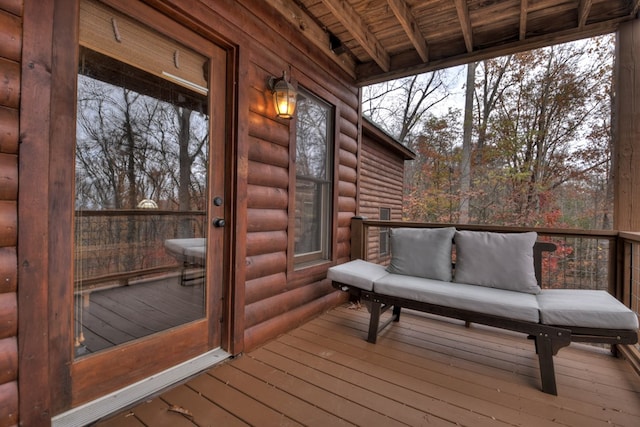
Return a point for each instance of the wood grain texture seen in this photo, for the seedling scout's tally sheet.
(10, 36)
(389, 38)
(8, 177)
(8, 360)
(9, 412)
(627, 157)
(8, 315)
(15, 7)
(33, 301)
(8, 270)
(10, 83)
(9, 130)
(424, 370)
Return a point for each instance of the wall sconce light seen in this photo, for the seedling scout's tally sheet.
(284, 96)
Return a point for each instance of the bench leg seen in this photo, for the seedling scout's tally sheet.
(396, 313)
(545, 359)
(547, 345)
(374, 321)
(377, 308)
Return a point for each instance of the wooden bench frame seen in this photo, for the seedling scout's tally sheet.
(548, 339)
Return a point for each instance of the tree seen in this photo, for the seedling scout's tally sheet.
(399, 106)
(541, 123)
(433, 185)
(131, 146)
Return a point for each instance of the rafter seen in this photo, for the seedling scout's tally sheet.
(465, 23)
(342, 11)
(405, 65)
(524, 10)
(312, 32)
(408, 22)
(584, 8)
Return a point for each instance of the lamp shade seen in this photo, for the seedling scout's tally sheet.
(284, 97)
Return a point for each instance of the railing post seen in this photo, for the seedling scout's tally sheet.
(622, 271)
(618, 263)
(357, 237)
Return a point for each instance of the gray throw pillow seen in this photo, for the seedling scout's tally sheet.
(422, 252)
(496, 260)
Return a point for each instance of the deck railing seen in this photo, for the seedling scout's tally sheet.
(584, 259)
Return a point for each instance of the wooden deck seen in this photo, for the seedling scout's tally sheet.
(424, 371)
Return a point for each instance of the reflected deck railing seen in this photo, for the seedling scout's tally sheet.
(584, 259)
(116, 247)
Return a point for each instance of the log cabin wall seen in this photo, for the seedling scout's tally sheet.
(267, 295)
(10, 52)
(381, 182)
(276, 296)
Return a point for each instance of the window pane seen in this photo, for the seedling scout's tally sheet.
(141, 183)
(309, 201)
(314, 134)
(312, 130)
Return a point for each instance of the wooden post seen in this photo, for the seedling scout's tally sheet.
(358, 238)
(626, 122)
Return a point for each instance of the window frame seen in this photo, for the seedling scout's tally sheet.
(327, 250)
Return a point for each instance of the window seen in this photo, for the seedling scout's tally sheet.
(314, 176)
(385, 215)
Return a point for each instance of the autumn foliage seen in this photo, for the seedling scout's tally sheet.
(540, 142)
(531, 148)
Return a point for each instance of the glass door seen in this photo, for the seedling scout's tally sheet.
(142, 151)
(149, 211)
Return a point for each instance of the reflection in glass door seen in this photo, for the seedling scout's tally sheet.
(140, 202)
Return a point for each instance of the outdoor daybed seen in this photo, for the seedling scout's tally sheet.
(190, 252)
(187, 251)
(495, 281)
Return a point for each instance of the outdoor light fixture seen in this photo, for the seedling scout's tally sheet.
(284, 96)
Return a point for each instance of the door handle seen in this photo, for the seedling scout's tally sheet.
(219, 222)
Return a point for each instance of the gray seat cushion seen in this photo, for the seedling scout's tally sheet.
(358, 273)
(584, 308)
(496, 302)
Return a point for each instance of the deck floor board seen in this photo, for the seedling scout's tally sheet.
(423, 371)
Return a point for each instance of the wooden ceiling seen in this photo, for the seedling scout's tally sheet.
(377, 40)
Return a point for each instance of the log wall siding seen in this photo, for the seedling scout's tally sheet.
(276, 296)
(381, 186)
(10, 55)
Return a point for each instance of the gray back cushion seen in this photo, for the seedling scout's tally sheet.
(422, 252)
(496, 260)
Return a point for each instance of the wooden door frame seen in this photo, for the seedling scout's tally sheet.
(49, 76)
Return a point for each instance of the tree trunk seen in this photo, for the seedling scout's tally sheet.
(465, 162)
(184, 197)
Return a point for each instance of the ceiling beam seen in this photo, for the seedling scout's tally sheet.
(584, 9)
(408, 22)
(406, 64)
(342, 11)
(465, 23)
(313, 32)
(524, 9)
